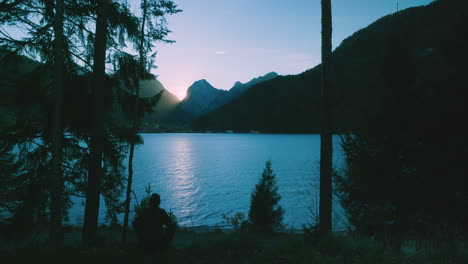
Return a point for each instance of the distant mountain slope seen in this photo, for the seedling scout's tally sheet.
(275, 105)
(199, 96)
(166, 104)
(12, 69)
(292, 103)
(238, 89)
(203, 98)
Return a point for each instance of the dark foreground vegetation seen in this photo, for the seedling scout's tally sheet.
(261, 237)
(196, 246)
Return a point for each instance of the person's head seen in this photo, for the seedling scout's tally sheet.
(155, 200)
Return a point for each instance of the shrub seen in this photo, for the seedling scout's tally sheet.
(174, 219)
(144, 203)
(265, 215)
(235, 221)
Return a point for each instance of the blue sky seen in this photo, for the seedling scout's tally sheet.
(228, 41)
(224, 41)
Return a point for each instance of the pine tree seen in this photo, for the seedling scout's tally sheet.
(265, 215)
(97, 135)
(57, 198)
(56, 58)
(48, 40)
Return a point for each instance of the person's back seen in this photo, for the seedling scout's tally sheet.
(149, 226)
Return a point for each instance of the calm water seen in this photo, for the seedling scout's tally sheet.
(201, 176)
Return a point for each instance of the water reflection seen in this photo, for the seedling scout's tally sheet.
(183, 185)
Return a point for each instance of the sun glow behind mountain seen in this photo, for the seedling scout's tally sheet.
(180, 91)
(181, 95)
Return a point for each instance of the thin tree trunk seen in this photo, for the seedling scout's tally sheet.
(135, 122)
(129, 191)
(95, 171)
(326, 151)
(56, 205)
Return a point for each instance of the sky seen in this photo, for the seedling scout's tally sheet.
(227, 41)
(224, 41)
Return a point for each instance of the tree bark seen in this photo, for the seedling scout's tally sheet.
(57, 195)
(95, 172)
(326, 151)
(135, 122)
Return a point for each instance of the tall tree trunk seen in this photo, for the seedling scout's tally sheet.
(135, 124)
(57, 195)
(326, 151)
(95, 171)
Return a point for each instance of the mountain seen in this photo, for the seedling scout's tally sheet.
(203, 98)
(434, 36)
(13, 86)
(238, 89)
(278, 105)
(166, 105)
(12, 67)
(199, 96)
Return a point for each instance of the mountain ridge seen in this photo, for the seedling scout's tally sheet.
(291, 104)
(166, 105)
(202, 97)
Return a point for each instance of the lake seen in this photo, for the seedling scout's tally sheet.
(202, 176)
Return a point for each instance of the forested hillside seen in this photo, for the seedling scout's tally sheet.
(291, 103)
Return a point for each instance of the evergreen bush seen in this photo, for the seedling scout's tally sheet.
(265, 215)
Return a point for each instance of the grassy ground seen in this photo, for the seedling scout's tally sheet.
(221, 247)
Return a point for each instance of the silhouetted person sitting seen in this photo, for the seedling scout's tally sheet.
(149, 226)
